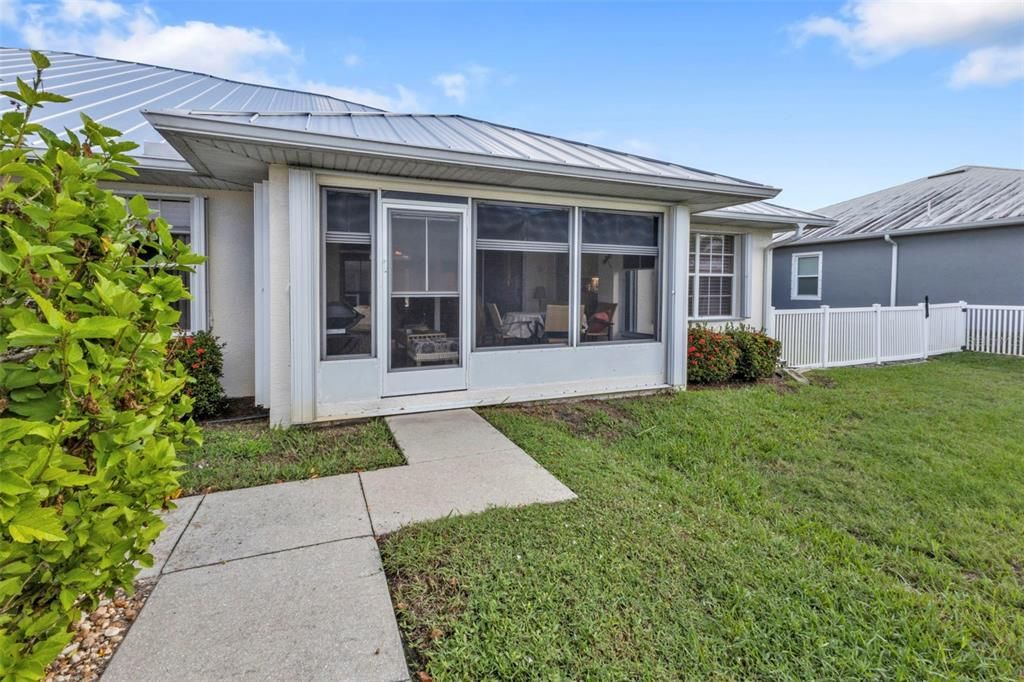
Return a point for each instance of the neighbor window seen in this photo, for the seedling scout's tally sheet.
(522, 274)
(348, 273)
(806, 281)
(712, 268)
(179, 212)
(619, 276)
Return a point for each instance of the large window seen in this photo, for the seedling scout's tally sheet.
(713, 282)
(522, 275)
(806, 280)
(619, 276)
(348, 273)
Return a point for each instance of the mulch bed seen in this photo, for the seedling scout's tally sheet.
(97, 636)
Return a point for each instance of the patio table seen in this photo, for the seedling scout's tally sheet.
(523, 325)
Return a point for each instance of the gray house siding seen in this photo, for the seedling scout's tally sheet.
(984, 267)
(980, 266)
(854, 273)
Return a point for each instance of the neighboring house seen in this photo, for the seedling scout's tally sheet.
(362, 262)
(954, 236)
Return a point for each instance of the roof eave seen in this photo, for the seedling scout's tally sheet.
(765, 221)
(905, 232)
(175, 125)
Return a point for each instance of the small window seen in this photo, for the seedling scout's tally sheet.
(713, 281)
(806, 283)
(179, 215)
(348, 273)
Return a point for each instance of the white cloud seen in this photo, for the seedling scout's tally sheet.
(873, 31)
(637, 146)
(459, 85)
(135, 33)
(995, 65)
(352, 59)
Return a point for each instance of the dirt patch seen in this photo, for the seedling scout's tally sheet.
(97, 636)
(588, 418)
(821, 380)
(423, 601)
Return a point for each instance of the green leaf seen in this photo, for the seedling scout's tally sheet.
(138, 206)
(99, 327)
(40, 60)
(41, 523)
(37, 334)
(54, 317)
(13, 484)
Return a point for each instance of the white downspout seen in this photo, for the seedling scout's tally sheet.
(895, 268)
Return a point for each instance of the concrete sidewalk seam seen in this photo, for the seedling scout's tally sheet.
(269, 553)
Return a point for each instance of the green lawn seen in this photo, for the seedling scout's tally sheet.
(869, 526)
(248, 454)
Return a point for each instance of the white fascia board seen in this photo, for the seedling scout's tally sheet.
(184, 124)
(767, 221)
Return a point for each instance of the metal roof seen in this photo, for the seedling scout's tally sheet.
(455, 133)
(763, 212)
(961, 198)
(114, 92)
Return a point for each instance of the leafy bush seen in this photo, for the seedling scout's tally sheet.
(201, 355)
(711, 355)
(759, 353)
(91, 408)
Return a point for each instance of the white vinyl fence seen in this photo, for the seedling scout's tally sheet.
(833, 337)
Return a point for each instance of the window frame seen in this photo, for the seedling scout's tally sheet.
(795, 276)
(516, 246)
(694, 276)
(197, 285)
(351, 238)
(657, 251)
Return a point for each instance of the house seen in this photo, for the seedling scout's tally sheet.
(363, 262)
(953, 236)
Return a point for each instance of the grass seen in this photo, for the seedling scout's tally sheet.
(869, 526)
(248, 454)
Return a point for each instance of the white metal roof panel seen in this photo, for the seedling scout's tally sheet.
(115, 92)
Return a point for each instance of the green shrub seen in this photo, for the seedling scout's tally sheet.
(91, 408)
(711, 355)
(201, 355)
(759, 353)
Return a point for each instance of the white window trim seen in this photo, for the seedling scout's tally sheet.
(794, 277)
(197, 284)
(694, 277)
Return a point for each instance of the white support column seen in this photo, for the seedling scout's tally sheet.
(575, 265)
(278, 299)
(677, 244)
(197, 283)
(303, 250)
(261, 307)
(769, 322)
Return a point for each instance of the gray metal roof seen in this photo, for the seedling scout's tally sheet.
(960, 198)
(763, 212)
(455, 133)
(114, 92)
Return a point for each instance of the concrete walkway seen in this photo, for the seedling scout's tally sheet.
(284, 582)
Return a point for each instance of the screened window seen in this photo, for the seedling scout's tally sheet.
(806, 282)
(522, 275)
(713, 282)
(178, 214)
(348, 273)
(619, 276)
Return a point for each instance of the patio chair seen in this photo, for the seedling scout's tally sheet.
(602, 322)
(501, 334)
(556, 323)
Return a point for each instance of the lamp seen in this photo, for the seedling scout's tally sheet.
(540, 293)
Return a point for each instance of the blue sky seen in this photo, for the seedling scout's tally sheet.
(826, 100)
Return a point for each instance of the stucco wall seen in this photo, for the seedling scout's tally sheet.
(854, 273)
(984, 267)
(229, 276)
